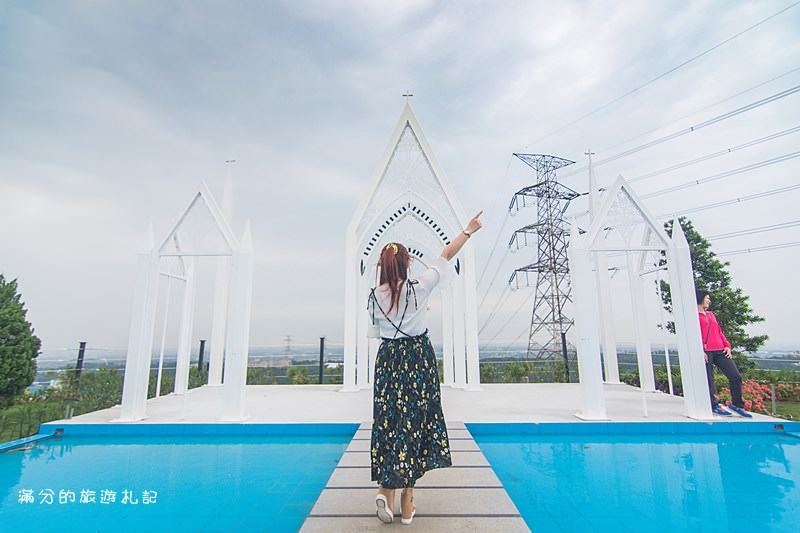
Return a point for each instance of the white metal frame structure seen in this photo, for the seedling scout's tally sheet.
(622, 219)
(410, 201)
(235, 294)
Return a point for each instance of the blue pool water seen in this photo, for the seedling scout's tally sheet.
(203, 482)
(647, 482)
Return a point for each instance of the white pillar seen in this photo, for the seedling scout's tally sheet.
(221, 288)
(238, 340)
(362, 341)
(140, 339)
(185, 337)
(219, 320)
(447, 335)
(351, 310)
(644, 356)
(459, 345)
(160, 371)
(687, 327)
(588, 342)
(610, 361)
(372, 349)
(471, 320)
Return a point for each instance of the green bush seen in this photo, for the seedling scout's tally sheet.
(260, 376)
(515, 372)
(298, 375)
(488, 373)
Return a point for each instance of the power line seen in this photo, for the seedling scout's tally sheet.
(726, 174)
(510, 344)
(513, 315)
(723, 203)
(740, 233)
(494, 277)
(751, 231)
(502, 226)
(501, 301)
(668, 72)
(494, 248)
(729, 202)
(690, 129)
(742, 146)
(702, 109)
(761, 248)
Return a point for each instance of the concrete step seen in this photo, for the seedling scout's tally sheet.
(430, 524)
(429, 501)
(456, 445)
(441, 477)
(459, 459)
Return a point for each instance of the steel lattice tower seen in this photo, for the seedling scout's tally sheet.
(553, 290)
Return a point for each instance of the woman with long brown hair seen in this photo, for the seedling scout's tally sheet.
(409, 436)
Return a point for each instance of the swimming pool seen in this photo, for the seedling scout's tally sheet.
(192, 478)
(648, 476)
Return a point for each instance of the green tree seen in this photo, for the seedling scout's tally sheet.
(100, 389)
(488, 373)
(298, 376)
(516, 371)
(729, 304)
(19, 347)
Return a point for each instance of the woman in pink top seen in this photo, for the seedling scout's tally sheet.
(718, 352)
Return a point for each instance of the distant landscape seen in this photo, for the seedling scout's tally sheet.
(278, 356)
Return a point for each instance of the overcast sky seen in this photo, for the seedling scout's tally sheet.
(112, 112)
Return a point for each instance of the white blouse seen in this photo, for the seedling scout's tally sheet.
(410, 313)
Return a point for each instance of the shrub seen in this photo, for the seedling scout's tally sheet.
(787, 392)
(754, 395)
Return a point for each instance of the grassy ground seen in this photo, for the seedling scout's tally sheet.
(788, 410)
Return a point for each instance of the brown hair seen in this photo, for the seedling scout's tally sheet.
(394, 269)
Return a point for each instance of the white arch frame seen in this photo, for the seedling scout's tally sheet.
(403, 212)
(236, 295)
(687, 328)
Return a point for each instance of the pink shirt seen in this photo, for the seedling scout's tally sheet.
(711, 333)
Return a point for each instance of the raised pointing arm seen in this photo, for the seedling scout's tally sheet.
(456, 244)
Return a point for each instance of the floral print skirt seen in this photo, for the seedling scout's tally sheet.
(409, 436)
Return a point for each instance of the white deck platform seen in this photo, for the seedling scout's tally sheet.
(550, 402)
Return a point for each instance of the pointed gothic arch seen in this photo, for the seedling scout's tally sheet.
(410, 201)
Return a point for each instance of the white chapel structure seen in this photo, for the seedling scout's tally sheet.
(623, 224)
(201, 230)
(410, 201)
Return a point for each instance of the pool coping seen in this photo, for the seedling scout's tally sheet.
(50, 429)
(631, 428)
(53, 429)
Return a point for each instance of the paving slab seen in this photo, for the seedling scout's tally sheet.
(354, 460)
(431, 524)
(457, 476)
(456, 445)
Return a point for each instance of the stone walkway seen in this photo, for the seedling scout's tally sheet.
(465, 497)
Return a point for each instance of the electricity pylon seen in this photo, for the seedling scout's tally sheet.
(549, 324)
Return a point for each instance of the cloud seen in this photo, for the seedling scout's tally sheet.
(113, 113)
